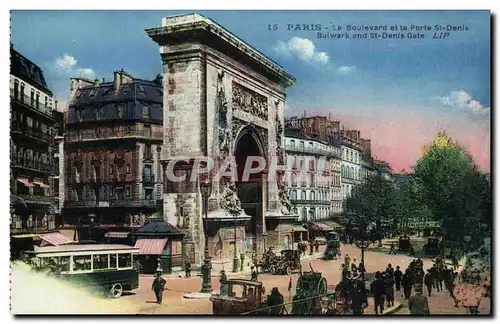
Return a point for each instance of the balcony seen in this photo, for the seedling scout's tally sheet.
(311, 150)
(38, 107)
(32, 165)
(151, 203)
(311, 202)
(31, 132)
(72, 137)
(37, 199)
(303, 184)
(20, 228)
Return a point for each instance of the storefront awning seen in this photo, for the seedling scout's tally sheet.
(25, 236)
(40, 184)
(25, 182)
(56, 239)
(116, 234)
(288, 228)
(151, 246)
(323, 227)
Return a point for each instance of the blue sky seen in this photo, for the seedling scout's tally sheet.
(398, 92)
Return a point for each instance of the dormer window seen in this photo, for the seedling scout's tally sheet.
(141, 88)
(145, 111)
(79, 94)
(93, 92)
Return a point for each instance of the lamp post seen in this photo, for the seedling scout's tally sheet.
(206, 287)
(235, 255)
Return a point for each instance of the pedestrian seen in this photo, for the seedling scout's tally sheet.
(418, 303)
(223, 283)
(407, 282)
(389, 289)
(361, 268)
(428, 281)
(347, 261)
(377, 289)
(393, 249)
(397, 278)
(254, 275)
(434, 274)
(355, 295)
(354, 268)
(187, 269)
(419, 276)
(390, 269)
(158, 287)
(275, 299)
(412, 250)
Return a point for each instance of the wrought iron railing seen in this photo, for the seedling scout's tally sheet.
(311, 150)
(112, 203)
(106, 135)
(26, 100)
(33, 164)
(31, 132)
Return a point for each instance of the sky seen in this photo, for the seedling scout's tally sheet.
(399, 92)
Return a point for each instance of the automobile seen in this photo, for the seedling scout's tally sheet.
(287, 262)
(433, 246)
(242, 296)
(404, 243)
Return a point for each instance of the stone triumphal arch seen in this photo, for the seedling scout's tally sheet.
(221, 98)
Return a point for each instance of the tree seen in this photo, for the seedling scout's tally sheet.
(411, 204)
(454, 190)
(372, 203)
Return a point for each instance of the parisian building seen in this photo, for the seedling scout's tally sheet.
(352, 160)
(112, 143)
(33, 166)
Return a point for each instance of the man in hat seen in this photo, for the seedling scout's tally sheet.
(222, 282)
(397, 277)
(275, 299)
(418, 303)
(158, 286)
(254, 274)
(377, 288)
(428, 280)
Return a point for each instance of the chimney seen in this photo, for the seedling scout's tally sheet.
(121, 77)
(56, 105)
(103, 80)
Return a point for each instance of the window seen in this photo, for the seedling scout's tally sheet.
(98, 113)
(147, 131)
(112, 261)
(350, 159)
(79, 94)
(127, 191)
(82, 262)
(145, 111)
(141, 88)
(110, 169)
(127, 169)
(37, 102)
(303, 195)
(293, 194)
(46, 101)
(16, 89)
(93, 92)
(301, 144)
(302, 165)
(312, 196)
(312, 180)
(79, 114)
(29, 122)
(124, 260)
(147, 151)
(32, 98)
(64, 262)
(120, 111)
(292, 143)
(100, 261)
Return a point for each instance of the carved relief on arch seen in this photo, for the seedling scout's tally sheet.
(261, 134)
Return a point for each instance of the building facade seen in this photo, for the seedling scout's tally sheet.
(352, 161)
(32, 165)
(112, 171)
(222, 98)
(311, 176)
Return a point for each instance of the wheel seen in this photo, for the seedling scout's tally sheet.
(322, 287)
(116, 291)
(288, 270)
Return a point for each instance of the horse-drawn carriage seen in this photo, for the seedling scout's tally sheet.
(288, 261)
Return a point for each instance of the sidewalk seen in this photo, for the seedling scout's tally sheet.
(370, 310)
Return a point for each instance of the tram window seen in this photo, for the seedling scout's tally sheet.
(82, 262)
(100, 261)
(112, 261)
(124, 260)
(64, 263)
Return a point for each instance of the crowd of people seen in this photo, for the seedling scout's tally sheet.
(353, 292)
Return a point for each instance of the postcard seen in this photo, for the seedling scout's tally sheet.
(257, 163)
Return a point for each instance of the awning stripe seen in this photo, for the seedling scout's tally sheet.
(116, 234)
(151, 246)
(41, 184)
(25, 182)
(56, 239)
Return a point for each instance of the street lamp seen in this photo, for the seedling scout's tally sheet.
(206, 287)
(362, 245)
